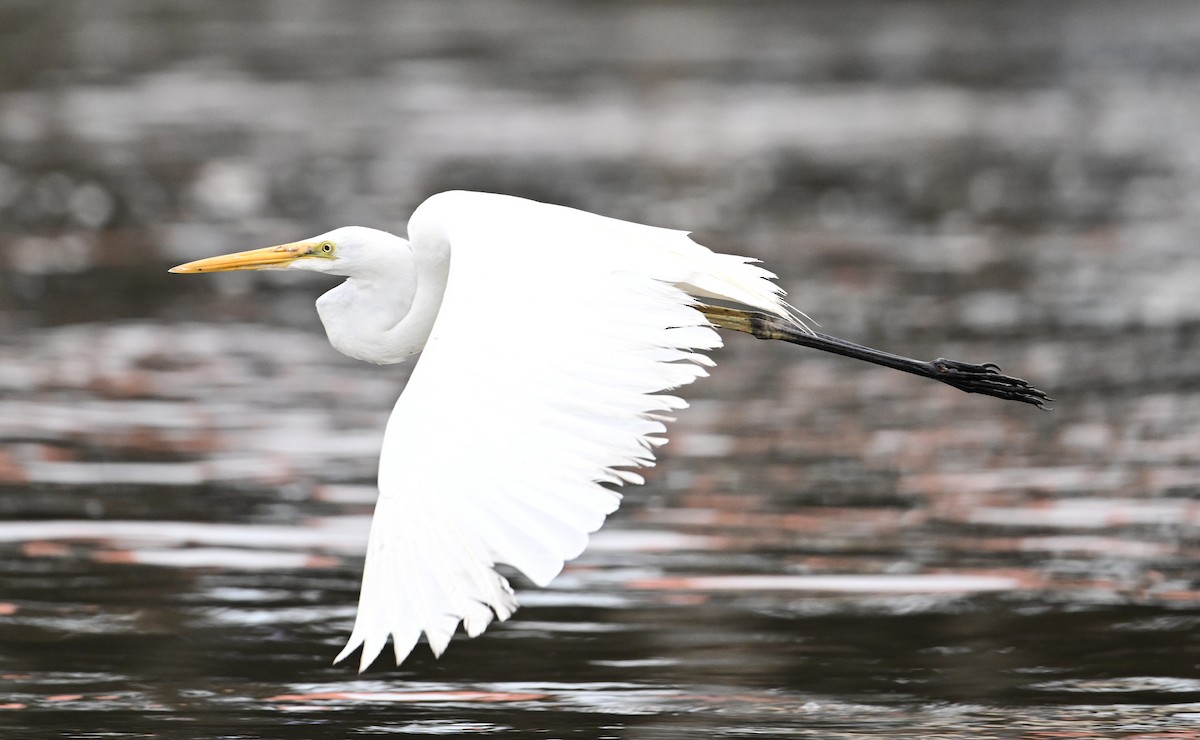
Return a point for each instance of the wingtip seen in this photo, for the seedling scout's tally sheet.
(346, 652)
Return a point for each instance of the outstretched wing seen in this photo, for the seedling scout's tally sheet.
(541, 381)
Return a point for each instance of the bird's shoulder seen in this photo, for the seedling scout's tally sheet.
(452, 206)
(456, 215)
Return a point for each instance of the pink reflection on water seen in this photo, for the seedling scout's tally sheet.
(409, 696)
(239, 559)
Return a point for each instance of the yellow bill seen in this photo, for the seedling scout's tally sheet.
(254, 259)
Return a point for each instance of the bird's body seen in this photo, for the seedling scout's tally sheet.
(550, 337)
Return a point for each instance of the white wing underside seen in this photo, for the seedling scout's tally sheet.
(541, 381)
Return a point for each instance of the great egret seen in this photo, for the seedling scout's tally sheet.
(549, 336)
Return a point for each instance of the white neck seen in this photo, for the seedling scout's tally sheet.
(386, 316)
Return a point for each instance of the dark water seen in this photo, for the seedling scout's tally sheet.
(825, 550)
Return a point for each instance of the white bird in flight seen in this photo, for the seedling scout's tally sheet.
(549, 338)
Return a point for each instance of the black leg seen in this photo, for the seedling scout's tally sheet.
(965, 376)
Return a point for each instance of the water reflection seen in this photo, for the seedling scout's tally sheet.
(162, 520)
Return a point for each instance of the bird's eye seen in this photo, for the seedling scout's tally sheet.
(327, 248)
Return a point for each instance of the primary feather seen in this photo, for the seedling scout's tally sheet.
(542, 379)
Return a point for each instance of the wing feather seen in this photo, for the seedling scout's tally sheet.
(542, 379)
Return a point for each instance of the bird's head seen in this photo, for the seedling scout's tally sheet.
(349, 251)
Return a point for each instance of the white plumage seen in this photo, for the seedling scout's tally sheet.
(550, 337)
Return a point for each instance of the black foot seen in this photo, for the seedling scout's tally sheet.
(988, 380)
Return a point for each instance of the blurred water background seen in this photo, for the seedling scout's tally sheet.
(827, 550)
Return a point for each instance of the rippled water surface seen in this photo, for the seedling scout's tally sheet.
(826, 550)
